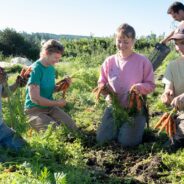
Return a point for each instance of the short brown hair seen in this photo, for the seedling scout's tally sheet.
(127, 30)
(175, 7)
(52, 46)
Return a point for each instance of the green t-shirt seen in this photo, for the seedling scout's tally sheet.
(45, 78)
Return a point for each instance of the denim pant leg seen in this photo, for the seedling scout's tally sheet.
(5, 131)
(10, 139)
(107, 129)
(130, 134)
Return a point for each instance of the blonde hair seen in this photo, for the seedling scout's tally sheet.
(127, 30)
(52, 46)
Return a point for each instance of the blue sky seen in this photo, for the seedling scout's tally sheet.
(84, 17)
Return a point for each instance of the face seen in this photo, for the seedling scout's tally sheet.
(179, 45)
(179, 16)
(124, 43)
(53, 58)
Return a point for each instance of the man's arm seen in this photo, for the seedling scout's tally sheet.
(165, 40)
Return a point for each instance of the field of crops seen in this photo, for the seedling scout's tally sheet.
(63, 157)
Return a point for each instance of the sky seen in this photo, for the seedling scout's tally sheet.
(85, 17)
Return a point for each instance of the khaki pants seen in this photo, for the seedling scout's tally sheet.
(39, 119)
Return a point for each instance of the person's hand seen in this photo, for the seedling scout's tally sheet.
(134, 88)
(164, 41)
(61, 103)
(3, 76)
(21, 81)
(178, 102)
(167, 96)
(68, 79)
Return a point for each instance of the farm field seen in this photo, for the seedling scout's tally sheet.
(63, 157)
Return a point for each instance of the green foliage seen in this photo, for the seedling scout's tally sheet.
(14, 44)
(61, 156)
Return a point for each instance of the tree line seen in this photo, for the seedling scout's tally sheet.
(27, 45)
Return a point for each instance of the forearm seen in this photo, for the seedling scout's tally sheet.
(7, 89)
(44, 101)
(165, 40)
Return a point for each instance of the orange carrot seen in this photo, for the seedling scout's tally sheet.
(98, 92)
(27, 72)
(61, 81)
(167, 129)
(161, 120)
(170, 132)
(165, 122)
(22, 72)
(139, 103)
(131, 100)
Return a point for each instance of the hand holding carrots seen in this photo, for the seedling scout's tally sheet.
(135, 99)
(103, 89)
(23, 77)
(63, 85)
(61, 103)
(167, 122)
(134, 89)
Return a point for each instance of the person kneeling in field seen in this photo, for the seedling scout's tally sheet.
(8, 136)
(174, 87)
(123, 72)
(40, 107)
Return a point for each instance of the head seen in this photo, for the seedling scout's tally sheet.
(125, 37)
(178, 38)
(176, 10)
(51, 52)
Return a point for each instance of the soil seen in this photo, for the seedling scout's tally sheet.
(112, 161)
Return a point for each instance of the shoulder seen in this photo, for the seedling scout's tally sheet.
(173, 64)
(141, 58)
(110, 59)
(36, 65)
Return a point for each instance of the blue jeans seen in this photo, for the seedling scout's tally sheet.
(9, 139)
(129, 134)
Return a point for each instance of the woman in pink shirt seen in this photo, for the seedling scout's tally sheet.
(121, 71)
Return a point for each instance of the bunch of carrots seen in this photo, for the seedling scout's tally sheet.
(25, 72)
(98, 91)
(24, 75)
(120, 114)
(167, 122)
(135, 102)
(64, 84)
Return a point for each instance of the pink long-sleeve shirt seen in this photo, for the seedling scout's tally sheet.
(121, 74)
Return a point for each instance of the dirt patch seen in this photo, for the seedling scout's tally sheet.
(148, 170)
